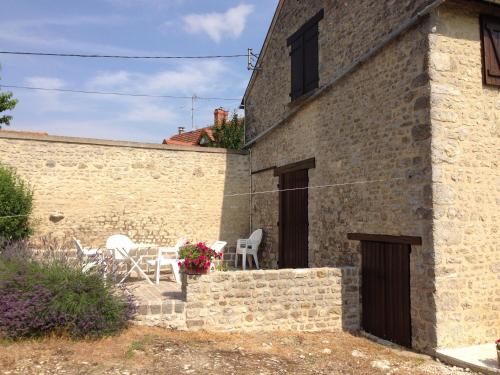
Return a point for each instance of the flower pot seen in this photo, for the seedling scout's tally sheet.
(498, 357)
(196, 271)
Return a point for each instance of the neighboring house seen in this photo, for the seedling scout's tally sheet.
(388, 111)
(198, 137)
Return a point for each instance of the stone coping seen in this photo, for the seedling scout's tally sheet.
(285, 272)
(40, 137)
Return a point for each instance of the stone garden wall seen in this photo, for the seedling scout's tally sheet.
(91, 188)
(314, 299)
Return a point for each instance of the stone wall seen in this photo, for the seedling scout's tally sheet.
(369, 134)
(411, 139)
(348, 30)
(315, 299)
(466, 180)
(153, 193)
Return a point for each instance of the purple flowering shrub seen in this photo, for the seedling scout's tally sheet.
(39, 298)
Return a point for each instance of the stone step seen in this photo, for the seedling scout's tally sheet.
(161, 307)
(168, 314)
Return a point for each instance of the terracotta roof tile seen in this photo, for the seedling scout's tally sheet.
(191, 138)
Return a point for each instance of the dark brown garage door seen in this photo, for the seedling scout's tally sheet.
(386, 291)
(294, 227)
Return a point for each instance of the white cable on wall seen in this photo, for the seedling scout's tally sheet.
(282, 190)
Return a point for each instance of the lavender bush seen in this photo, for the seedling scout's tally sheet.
(55, 296)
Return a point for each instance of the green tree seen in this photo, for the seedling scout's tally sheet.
(16, 203)
(229, 134)
(6, 104)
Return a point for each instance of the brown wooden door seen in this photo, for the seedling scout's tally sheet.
(386, 291)
(294, 226)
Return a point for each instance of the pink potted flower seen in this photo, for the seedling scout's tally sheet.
(197, 258)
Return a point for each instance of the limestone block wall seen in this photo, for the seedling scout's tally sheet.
(314, 299)
(465, 117)
(369, 134)
(153, 193)
(349, 29)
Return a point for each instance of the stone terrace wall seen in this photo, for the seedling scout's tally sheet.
(466, 180)
(314, 299)
(149, 192)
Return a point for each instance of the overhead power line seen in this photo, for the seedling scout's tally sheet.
(116, 93)
(119, 56)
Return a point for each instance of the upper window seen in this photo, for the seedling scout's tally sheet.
(490, 35)
(304, 57)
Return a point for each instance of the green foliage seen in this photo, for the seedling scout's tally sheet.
(6, 104)
(139, 345)
(229, 135)
(56, 296)
(16, 198)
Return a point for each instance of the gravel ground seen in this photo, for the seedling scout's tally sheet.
(142, 350)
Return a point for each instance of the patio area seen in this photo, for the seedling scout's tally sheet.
(482, 358)
(163, 301)
(158, 304)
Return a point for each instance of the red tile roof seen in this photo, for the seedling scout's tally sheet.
(191, 138)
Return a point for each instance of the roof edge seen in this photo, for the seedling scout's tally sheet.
(399, 30)
(263, 50)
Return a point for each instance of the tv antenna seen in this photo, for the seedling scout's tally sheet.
(193, 101)
(252, 60)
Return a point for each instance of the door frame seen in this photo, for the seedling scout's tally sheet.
(388, 239)
(279, 172)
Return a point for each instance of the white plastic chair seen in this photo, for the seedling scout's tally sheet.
(121, 246)
(248, 246)
(91, 256)
(168, 256)
(217, 246)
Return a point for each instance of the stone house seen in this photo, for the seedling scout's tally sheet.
(379, 119)
(199, 137)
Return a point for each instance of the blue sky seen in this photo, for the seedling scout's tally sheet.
(130, 27)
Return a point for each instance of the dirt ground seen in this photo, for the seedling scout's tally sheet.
(142, 350)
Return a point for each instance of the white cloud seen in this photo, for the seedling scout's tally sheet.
(46, 82)
(150, 113)
(218, 25)
(37, 32)
(137, 118)
(201, 78)
(111, 79)
(47, 101)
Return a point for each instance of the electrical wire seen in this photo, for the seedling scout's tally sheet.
(119, 56)
(315, 187)
(283, 190)
(115, 93)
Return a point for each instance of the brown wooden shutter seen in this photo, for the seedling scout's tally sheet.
(311, 76)
(490, 35)
(304, 57)
(297, 70)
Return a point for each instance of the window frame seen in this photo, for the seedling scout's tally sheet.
(489, 51)
(297, 42)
